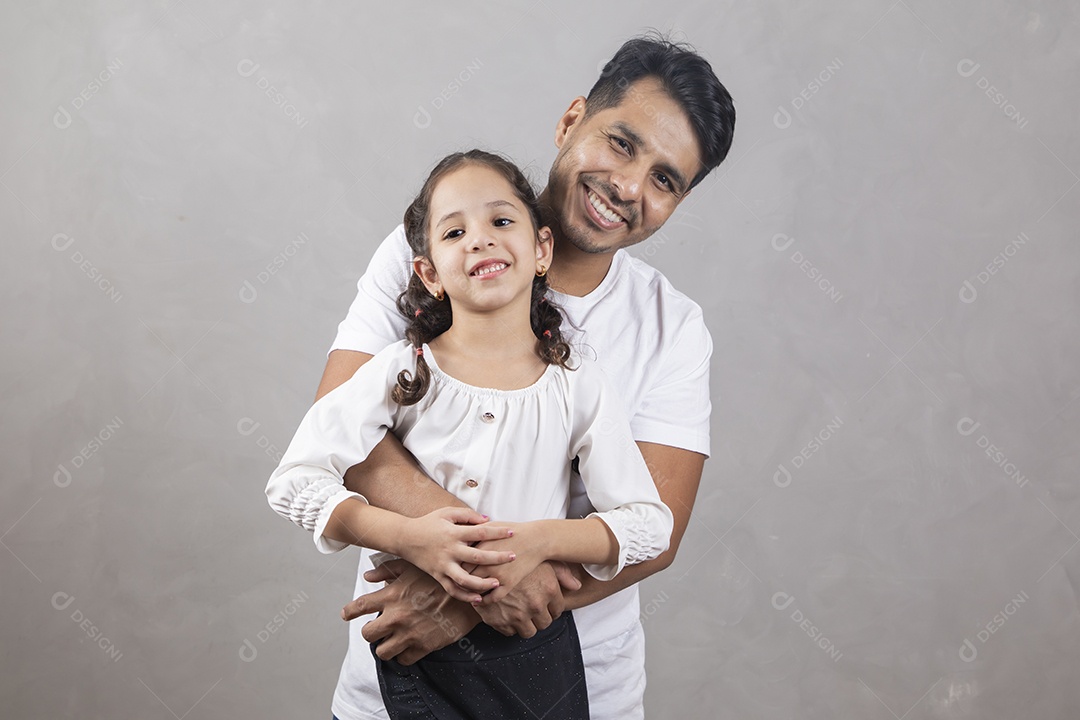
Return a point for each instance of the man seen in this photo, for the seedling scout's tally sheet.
(654, 125)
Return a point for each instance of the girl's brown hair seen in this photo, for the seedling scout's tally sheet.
(428, 318)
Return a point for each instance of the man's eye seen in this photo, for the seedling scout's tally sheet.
(663, 180)
(623, 145)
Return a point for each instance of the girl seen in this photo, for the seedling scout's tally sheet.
(482, 394)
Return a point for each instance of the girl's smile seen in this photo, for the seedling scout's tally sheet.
(487, 269)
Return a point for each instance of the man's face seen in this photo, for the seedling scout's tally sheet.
(620, 173)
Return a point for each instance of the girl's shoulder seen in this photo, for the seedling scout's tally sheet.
(395, 350)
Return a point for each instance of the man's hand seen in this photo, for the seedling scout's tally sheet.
(417, 616)
(534, 603)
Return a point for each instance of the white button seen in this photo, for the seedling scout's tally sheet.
(471, 483)
(487, 417)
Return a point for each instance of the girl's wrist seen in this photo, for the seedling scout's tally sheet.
(544, 538)
(399, 541)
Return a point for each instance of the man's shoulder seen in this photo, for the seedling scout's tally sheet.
(397, 241)
(643, 283)
(391, 264)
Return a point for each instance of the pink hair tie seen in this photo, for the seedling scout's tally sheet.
(419, 351)
(547, 333)
(418, 311)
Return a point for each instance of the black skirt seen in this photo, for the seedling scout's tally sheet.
(488, 675)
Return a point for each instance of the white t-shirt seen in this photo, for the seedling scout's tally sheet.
(652, 343)
(505, 453)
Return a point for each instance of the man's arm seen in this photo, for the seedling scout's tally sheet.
(340, 366)
(677, 474)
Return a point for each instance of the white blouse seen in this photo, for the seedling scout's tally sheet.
(505, 453)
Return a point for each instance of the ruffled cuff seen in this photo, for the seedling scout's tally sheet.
(334, 498)
(615, 524)
(636, 543)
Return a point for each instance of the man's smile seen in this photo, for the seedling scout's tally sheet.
(602, 213)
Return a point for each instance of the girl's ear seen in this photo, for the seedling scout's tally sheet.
(544, 248)
(426, 272)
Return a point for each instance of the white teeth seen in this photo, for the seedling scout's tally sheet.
(603, 209)
(489, 269)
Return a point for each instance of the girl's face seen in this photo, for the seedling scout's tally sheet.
(484, 251)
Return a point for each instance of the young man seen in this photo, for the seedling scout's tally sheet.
(654, 125)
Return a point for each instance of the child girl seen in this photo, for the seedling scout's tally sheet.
(483, 395)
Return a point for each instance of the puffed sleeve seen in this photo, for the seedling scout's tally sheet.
(373, 321)
(338, 431)
(614, 473)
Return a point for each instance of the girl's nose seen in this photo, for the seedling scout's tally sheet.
(482, 239)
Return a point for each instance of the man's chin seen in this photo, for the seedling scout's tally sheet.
(585, 242)
(592, 240)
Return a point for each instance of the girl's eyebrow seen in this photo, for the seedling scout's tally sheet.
(492, 204)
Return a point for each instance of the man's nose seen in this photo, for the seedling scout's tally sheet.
(627, 182)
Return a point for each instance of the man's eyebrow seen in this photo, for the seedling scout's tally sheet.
(669, 170)
(492, 204)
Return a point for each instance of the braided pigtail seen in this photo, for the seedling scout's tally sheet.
(546, 319)
(428, 318)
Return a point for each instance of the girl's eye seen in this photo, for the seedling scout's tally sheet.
(456, 232)
(502, 222)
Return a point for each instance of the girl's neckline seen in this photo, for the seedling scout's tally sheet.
(439, 373)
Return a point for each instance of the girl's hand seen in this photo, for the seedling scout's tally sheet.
(441, 541)
(527, 544)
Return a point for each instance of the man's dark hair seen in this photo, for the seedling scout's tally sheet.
(686, 77)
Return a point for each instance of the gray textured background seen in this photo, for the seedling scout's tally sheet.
(887, 526)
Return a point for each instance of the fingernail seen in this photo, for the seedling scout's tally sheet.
(485, 517)
(509, 533)
(513, 556)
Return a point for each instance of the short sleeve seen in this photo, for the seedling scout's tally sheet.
(675, 410)
(338, 431)
(373, 320)
(616, 478)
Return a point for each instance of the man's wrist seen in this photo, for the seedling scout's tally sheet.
(449, 604)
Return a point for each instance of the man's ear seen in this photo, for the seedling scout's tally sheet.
(544, 248)
(569, 120)
(426, 272)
